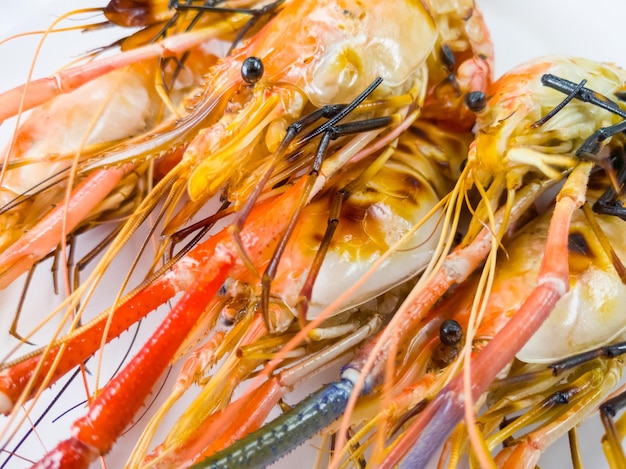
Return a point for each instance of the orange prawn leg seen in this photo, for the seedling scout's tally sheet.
(37, 92)
(115, 406)
(35, 244)
(581, 397)
(207, 441)
(267, 222)
(85, 342)
(446, 410)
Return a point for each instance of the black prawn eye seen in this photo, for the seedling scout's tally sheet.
(252, 70)
(450, 332)
(476, 101)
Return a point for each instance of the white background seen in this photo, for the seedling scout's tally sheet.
(521, 29)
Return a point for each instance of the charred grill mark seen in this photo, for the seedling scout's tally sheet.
(576, 243)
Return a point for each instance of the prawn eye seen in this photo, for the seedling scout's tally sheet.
(450, 332)
(476, 101)
(252, 70)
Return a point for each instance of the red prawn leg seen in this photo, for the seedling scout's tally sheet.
(15, 379)
(38, 242)
(267, 221)
(115, 406)
(446, 410)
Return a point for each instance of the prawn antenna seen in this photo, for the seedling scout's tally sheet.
(582, 94)
(591, 146)
(255, 13)
(559, 106)
(343, 112)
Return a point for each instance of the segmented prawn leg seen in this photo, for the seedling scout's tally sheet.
(38, 242)
(446, 410)
(209, 437)
(581, 382)
(507, 293)
(87, 124)
(614, 430)
(323, 407)
(571, 404)
(37, 92)
(590, 148)
(114, 407)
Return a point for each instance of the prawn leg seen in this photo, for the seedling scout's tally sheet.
(446, 410)
(288, 431)
(614, 431)
(37, 92)
(575, 402)
(115, 406)
(84, 342)
(210, 437)
(35, 244)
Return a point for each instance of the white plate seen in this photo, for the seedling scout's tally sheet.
(520, 30)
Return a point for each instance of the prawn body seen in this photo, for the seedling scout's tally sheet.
(373, 220)
(587, 316)
(55, 147)
(342, 41)
(508, 141)
(390, 199)
(31, 161)
(426, 363)
(340, 52)
(518, 147)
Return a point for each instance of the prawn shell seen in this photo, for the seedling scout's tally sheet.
(372, 220)
(345, 45)
(591, 313)
(506, 124)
